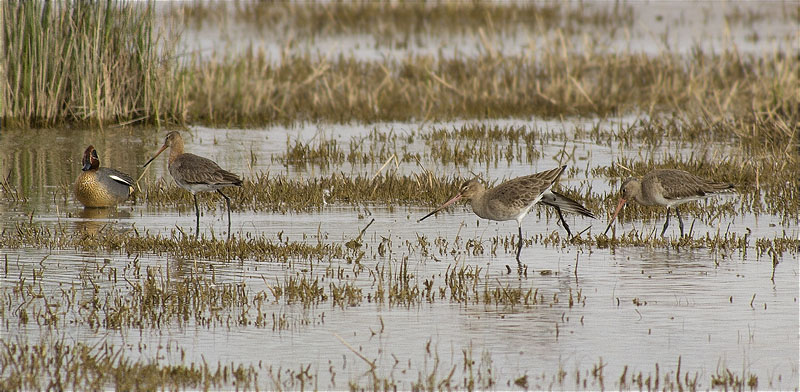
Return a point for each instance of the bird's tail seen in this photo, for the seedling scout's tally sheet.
(555, 199)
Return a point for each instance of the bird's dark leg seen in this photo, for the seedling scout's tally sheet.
(227, 204)
(197, 213)
(519, 248)
(666, 223)
(563, 222)
(680, 221)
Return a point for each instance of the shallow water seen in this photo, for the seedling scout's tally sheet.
(614, 310)
(687, 308)
(634, 307)
(675, 26)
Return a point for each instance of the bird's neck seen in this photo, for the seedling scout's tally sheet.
(639, 196)
(175, 150)
(478, 204)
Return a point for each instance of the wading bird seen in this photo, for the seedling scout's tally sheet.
(513, 199)
(196, 174)
(669, 188)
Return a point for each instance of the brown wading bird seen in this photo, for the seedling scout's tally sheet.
(196, 174)
(514, 198)
(99, 187)
(669, 188)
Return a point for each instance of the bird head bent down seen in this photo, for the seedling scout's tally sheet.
(468, 190)
(630, 188)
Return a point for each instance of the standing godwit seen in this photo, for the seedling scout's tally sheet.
(514, 198)
(669, 188)
(196, 174)
(99, 187)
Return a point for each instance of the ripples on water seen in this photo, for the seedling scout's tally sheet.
(639, 307)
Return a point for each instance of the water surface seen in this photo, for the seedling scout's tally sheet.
(632, 306)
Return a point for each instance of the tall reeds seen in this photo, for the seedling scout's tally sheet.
(96, 64)
(86, 63)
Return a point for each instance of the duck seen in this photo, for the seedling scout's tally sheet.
(101, 187)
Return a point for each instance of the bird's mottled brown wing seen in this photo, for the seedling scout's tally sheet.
(194, 169)
(679, 184)
(521, 191)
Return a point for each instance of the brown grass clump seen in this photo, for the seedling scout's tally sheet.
(65, 364)
(401, 20)
(252, 89)
(105, 65)
(280, 193)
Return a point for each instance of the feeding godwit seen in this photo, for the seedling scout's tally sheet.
(669, 188)
(196, 174)
(514, 198)
(100, 186)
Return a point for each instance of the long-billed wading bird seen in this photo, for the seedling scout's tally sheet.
(196, 174)
(669, 188)
(99, 187)
(513, 199)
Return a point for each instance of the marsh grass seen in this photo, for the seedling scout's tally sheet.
(323, 153)
(60, 364)
(399, 23)
(106, 65)
(251, 89)
(281, 250)
(114, 296)
(65, 364)
(178, 244)
(763, 184)
(130, 295)
(747, 101)
(725, 378)
(86, 64)
(754, 141)
(282, 193)
(461, 146)
(10, 192)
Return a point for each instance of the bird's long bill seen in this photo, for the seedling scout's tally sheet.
(451, 201)
(164, 147)
(619, 208)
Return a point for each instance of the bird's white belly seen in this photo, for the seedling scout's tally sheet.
(676, 202)
(197, 187)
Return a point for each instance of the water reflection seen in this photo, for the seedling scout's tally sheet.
(630, 306)
(94, 220)
(44, 164)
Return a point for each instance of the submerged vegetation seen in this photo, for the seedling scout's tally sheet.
(319, 248)
(125, 288)
(65, 364)
(476, 145)
(133, 293)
